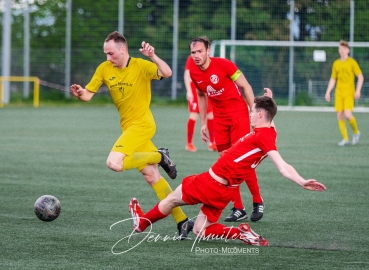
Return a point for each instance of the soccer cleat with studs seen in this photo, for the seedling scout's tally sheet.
(249, 237)
(236, 215)
(257, 212)
(355, 138)
(184, 228)
(167, 164)
(137, 213)
(343, 143)
(190, 147)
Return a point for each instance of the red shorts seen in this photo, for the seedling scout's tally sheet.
(229, 130)
(194, 105)
(214, 196)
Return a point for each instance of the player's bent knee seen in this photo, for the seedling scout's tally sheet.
(114, 166)
(115, 161)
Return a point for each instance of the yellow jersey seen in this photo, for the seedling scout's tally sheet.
(129, 87)
(344, 73)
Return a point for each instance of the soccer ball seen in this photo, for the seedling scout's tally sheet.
(47, 208)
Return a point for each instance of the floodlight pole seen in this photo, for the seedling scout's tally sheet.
(121, 17)
(352, 14)
(68, 49)
(6, 52)
(26, 52)
(175, 49)
(233, 28)
(290, 76)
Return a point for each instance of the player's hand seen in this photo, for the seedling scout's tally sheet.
(189, 96)
(147, 49)
(312, 184)
(268, 92)
(357, 95)
(328, 97)
(204, 135)
(76, 90)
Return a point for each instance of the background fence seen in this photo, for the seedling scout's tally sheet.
(169, 25)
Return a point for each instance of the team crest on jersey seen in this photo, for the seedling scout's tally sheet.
(214, 79)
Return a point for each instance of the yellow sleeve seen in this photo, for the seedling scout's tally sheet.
(356, 68)
(96, 80)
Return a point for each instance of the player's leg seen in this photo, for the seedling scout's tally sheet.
(339, 107)
(342, 128)
(348, 108)
(240, 127)
(191, 122)
(118, 162)
(238, 210)
(162, 190)
(159, 211)
(128, 152)
(257, 201)
(193, 109)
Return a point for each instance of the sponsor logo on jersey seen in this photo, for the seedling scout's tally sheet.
(212, 92)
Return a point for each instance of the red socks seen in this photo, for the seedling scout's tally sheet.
(252, 183)
(150, 217)
(210, 124)
(190, 130)
(237, 201)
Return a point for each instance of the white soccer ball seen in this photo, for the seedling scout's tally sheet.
(47, 208)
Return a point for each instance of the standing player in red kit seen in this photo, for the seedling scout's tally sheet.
(220, 81)
(193, 108)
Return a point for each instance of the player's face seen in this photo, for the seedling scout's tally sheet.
(199, 54)
(254, 116)
(114, 53)
(343, 51)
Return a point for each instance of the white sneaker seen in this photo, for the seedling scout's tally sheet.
(355, 138)
(343, 143)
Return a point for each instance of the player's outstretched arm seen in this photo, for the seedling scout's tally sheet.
(290, 173)
(81, 93)
(164, 69)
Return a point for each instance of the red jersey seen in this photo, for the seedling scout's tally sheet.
(216, 81)
(245, 155)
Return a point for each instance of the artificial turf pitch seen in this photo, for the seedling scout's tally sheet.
(62, 151)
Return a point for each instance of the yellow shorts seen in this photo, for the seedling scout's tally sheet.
(136, 138)
(343, 103)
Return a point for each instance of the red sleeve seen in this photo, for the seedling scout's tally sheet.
(230, 67)
(267, 142)
(190, 63)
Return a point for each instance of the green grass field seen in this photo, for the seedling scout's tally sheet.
(62, 151)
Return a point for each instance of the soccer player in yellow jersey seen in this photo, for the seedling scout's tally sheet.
(344, 71)
(128, 80)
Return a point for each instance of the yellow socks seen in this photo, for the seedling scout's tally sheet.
(162, 189)
(343, 129)
(141, 159)
(353, 125)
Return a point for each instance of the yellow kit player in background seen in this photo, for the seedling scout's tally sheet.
(128, 80)
(344, 71)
